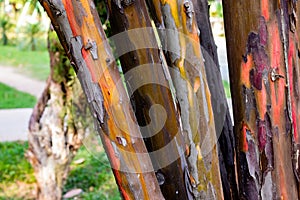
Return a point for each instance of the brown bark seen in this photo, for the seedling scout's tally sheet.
(261, 47)
(81, 34)
(53, 136)
(223, 123)
(182, 48)
(143, 61)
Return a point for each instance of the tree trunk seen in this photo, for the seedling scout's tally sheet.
(82, 36)
(182, 48)
(149, 85)
(53, 135)
(223, 123)
(264, 68)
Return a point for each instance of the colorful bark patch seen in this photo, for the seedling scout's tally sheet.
(260, 102)
(256, 47)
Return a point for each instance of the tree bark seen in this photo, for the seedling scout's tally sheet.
(143, 62)
(81, 34)
(54, 137)
(223, 123)
(263, 57)
(262, 45)
(183, 52)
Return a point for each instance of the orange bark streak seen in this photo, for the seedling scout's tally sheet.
(244, 141)
(71, 16)
(86, 57)
(246, 67)
(107, 81)
(261, 97)
(277, 87)
(282, 183)
(265, 9)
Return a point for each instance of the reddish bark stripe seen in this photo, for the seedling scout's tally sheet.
(246, 67)
(244, 139)
(278, 88)
(71, 17)
(265, 9)
(87, 58)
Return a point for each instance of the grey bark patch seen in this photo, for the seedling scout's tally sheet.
(78, 8)
(249, 100)
(160, 178)
(92, 47)
(189, 11)
(92, 90)
(123, 3)
(172, 36)
(267, 187)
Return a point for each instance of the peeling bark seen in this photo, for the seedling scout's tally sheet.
(293, 63)
(80, 31)
(54, 137)
(261, 57)
(223, 123)
(139, 51)
(264, 71)
(182, 48)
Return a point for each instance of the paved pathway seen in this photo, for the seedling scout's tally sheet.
(14, 122)
(9, 76)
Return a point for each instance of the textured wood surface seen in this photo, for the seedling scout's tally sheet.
(261, 46)
(81, 34)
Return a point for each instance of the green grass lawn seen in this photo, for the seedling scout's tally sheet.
(13, 165)
(17, 180)
(32, 63)
(94, 176)
(12, 98)
(16, 172)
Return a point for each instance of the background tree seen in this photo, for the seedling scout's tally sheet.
(5, 25)
(54, 134)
